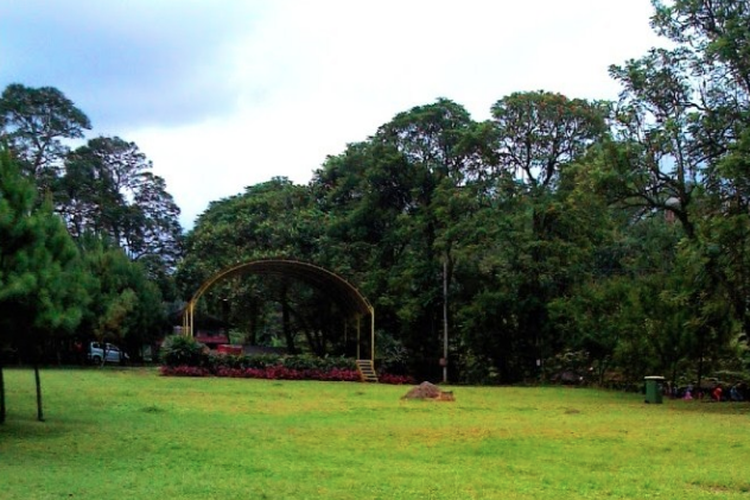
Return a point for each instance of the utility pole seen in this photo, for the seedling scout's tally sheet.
(445, 320)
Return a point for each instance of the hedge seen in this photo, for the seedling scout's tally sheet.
(185, 357)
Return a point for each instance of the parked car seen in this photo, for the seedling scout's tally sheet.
(114, 354)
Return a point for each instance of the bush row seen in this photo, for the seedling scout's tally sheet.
(216, 361)
(183, 356)
(268, 372)
(279, 372)
(178, 350)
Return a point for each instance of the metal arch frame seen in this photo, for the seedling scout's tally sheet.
(309, 273)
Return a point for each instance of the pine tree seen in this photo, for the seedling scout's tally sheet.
(40, 292)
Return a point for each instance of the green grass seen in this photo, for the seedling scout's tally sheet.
(133, 434)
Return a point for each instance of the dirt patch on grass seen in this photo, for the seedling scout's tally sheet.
(426, 390)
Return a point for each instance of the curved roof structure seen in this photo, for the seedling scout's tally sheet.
(341, 291)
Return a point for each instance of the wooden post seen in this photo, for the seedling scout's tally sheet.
(372, 335)
(359, 343)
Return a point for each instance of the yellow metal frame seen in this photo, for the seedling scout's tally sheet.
(310, 273)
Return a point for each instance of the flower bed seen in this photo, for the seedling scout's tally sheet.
(183, 357)
(279, 372)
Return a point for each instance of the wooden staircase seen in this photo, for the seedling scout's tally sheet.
(366, 370)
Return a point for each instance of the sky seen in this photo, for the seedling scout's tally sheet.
(224, 94)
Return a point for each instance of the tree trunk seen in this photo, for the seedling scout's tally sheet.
(38, 382)
(313, 340)
(700, 366)
(253, 322)
(286, 323)
(2, 393)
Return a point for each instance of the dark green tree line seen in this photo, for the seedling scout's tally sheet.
(618, 230)
(116, 209)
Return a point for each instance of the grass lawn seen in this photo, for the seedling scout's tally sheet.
(132, 434)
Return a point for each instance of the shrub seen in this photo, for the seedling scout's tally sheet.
(262, 360)
(184, 371)
(180, 350)
(277, 372)
(568, 367)
(183, 356)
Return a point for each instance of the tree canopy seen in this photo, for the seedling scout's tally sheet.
(613, 230)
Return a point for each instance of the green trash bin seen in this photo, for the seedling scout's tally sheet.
(654, 385)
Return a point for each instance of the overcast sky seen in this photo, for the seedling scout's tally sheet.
(224, 94)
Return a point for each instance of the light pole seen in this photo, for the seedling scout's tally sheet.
(444, 361)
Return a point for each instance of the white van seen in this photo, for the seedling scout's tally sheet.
(114, 354)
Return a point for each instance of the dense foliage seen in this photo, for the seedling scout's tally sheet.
(116, 211)
(88, 238)
(612, 233)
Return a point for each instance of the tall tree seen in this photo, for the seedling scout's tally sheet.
(681, 125)
(716, 31)
(659, 161)
(40, 281)
(538, 133)
(683, 109)
(35, 121)
(538, 136)
(715, 35)
(108, 189)
(383, 196)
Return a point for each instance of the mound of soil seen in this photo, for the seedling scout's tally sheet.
(426, 390)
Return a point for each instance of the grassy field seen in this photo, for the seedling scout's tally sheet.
(133, 434)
